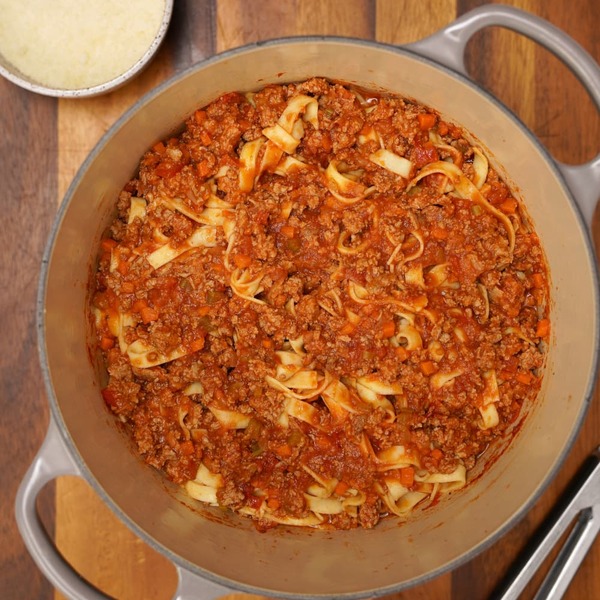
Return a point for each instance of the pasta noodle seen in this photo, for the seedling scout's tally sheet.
(319, 306)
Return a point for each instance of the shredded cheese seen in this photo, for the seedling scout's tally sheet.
(69, 44)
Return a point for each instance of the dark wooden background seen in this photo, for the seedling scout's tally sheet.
(44, 140)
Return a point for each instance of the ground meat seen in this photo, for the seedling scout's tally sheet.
(307, 334)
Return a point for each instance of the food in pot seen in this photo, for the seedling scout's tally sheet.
(319, 306)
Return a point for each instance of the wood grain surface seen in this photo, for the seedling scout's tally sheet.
(43, 142)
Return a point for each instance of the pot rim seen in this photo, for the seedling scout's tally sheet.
(55, 231)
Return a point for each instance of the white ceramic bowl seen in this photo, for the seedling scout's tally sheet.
(10, 72)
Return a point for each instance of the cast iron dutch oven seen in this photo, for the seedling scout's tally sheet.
(214, 553)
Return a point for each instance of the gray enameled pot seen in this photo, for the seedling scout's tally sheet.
(215, 553)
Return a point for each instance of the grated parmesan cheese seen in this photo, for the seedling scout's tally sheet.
(76, 44)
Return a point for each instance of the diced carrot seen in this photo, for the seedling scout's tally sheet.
(197, 344)
(436, 454)
(367, 129)
(524, 377)
(442, 128)
(148, 314)
(439, 233)
(537, 279)
(388, 329)
(187, 448)
(347, 328)
(273, 503)
(288, 231)
(267, 343)
(543, 328)
(107, 244)
(123, 267)
(139, 305)
(242, 260)
(200, 116)
(454, 131)
(401, 353)
(106, 343)
(428, 367)
(509, 206)
(407, 476)
(203, 310)
(127, 287)
(284, 451)
(159, 148)
(421, 300)
(341, 488)
(244, 124)
(203, 168)
(326, 142)
(323, 442)
(205, 138)
(426, 121)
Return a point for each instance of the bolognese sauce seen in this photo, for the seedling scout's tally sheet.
(319, 306)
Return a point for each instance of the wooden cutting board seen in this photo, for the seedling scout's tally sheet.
(62, 132)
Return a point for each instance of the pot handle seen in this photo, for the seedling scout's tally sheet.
(192, 587)
(51, 461)
(447, 47)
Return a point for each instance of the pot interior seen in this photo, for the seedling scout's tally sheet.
(287, 561)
